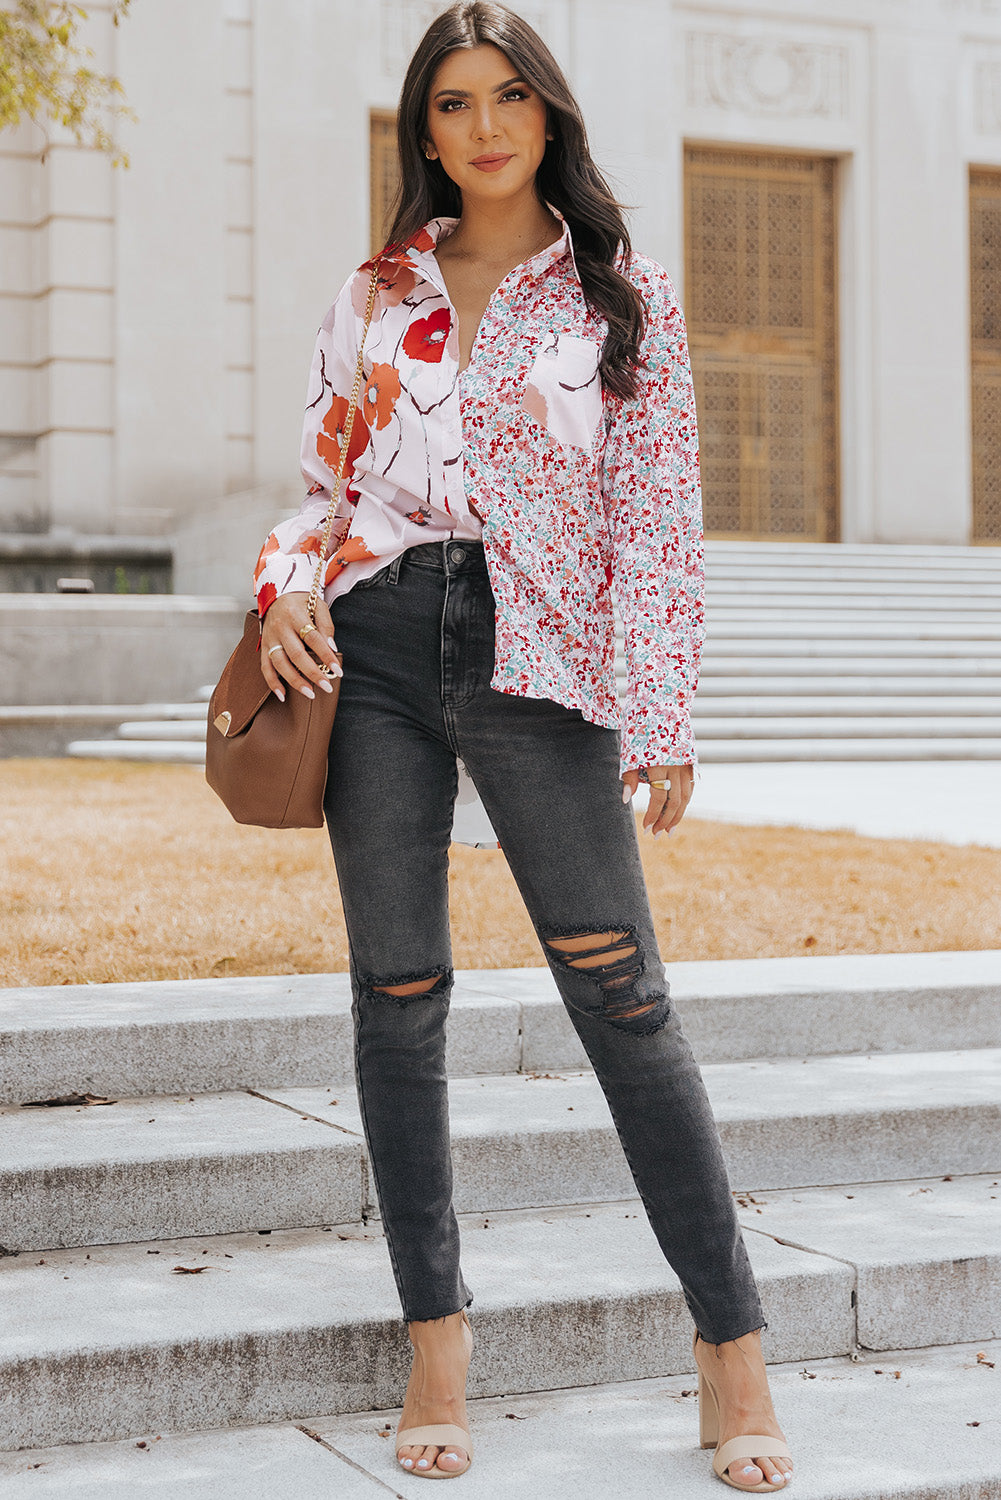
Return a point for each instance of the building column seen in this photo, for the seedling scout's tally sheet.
(920, 311)
(170, 250)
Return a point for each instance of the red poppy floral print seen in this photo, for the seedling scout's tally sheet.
(381, 394)
(330, 438)
(425, 338)
(582, 494)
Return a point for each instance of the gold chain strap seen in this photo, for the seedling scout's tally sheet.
(314, 593)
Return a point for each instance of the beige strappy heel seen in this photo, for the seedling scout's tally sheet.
(747, 1445)
(437, 1435)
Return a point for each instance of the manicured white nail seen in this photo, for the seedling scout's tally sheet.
(328, 687)
(337, 669)
(330, 643)
(279, 694)
(407, 1463)
(626, 794)
(307, 692)
(422, 1463)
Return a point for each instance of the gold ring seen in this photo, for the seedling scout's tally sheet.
(306, 631)
(274, 649)
(660, 785)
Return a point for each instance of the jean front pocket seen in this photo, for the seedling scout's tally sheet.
(388, 574)
(563, 389)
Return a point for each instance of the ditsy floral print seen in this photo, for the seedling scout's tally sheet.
(581, 494)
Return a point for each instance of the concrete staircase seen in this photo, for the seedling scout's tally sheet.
(192, 1249)
(813, 653)
(850, 652)
(176, 735)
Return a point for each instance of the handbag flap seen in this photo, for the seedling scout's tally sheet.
(241, 690)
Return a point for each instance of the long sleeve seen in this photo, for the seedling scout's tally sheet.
(652, 494)
(287, 562)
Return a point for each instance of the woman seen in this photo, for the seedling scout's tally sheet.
(525, 441)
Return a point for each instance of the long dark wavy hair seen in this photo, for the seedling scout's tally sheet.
(567, 177)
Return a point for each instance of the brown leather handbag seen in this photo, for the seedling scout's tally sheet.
(266, 759)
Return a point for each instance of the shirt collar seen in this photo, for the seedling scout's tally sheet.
(420, 250)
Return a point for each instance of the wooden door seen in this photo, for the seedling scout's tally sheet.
(761, 308)
(985, 330)
(383, 174)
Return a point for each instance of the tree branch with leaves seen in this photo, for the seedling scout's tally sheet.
(46, 74)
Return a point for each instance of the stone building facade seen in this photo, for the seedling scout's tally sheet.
(823, 183)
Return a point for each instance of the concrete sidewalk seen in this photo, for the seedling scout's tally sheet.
(952, 802)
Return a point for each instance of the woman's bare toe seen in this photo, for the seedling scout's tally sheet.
(449, 1460)
(452, 1460)
(747, 1473)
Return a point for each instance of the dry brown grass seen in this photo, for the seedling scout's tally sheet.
(117, 871)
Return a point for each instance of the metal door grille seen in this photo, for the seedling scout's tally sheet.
(985, 330)
(760, 302)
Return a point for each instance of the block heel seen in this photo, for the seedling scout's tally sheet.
(747, 1445)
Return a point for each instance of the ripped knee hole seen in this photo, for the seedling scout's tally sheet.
(402, 991)
(614, 958)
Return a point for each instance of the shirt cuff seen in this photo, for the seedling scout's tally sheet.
(661, 739)
(284, 574)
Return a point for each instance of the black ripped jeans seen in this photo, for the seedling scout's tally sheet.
(418, 645)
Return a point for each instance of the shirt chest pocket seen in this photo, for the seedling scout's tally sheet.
(563, 388)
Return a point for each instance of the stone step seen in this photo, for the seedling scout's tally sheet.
(726, 615)
(835, 565)
(165, 644)
(766, 705)
(117, 1340)
(871, 650)
(878, 670)
(165, 1166)
(742, 719)
(720, 751)
(188, 752)
(933, 557)
(768, 585)
(159, 729)
(905, 1421)
(907, 1415)
(98, 713)
(196, 1036)
(885, 599)
(170, 1166)
(48, 729)
(715, 687)
(192, 752)
(882, 726)
(904, 637)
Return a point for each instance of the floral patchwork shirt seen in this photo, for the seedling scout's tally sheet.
(581, 493)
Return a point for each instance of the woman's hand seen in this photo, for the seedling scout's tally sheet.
(284, 651)
(667, 804)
